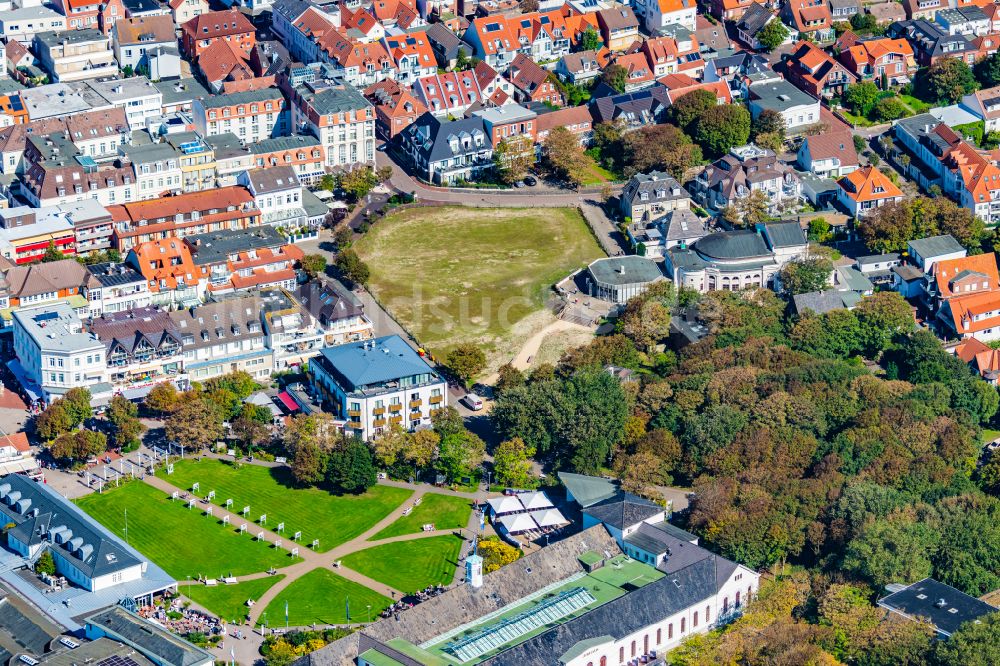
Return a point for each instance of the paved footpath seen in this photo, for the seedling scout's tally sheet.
(313, 560)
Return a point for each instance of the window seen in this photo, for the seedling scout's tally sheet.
(694, 622)
(683, 624)
(670, 631)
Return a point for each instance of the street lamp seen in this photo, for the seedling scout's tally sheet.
(369, 612)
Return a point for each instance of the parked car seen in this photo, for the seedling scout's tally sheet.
(473, 401)
(530, 181)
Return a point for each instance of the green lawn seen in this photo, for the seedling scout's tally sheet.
(315, 512)
(444, 511)
(183, 541)
(989, 435)
(596, 174)
(228, 602)
(918, 105)
(322, 597)
(481, 275)
(409, 566)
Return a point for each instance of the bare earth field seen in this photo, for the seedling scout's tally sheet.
(456, 274)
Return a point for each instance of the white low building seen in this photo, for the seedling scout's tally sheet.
(799, 110)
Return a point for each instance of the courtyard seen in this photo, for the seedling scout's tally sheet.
(452, 274)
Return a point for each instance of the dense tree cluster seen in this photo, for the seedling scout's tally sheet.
(320, 453)
(890, 227)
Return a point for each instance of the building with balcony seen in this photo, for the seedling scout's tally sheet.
(171, 276)
(203, 30)
(119, 288)
(244, 259)
(302, 152)
(376, 384)
(251, 115)
(197, 161)
(75, 55)
(336, 310)
(293, 334)
(863, 191)
(56, 354)
(647, 197)
(448, 151)
(26, 233)
(340, 117)
(224, 337)
(743, 170)
(277, 193)
(31, 285)
(142, 347)
(157, 169)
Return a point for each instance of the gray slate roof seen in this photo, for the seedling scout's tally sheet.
(754, 18)
(732, 245)
(779, 96)
(588, 490)
(908, 602)
(785, 234)
(152, 640)
(623, 510)
(935, 246)
(628, 269)
(363, 364)
(216, 246)
(242, 97)
(822, 302)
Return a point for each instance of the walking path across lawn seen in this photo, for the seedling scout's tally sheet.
(312, 560)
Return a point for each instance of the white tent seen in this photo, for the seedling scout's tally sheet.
(517, 523)
(548, 517)
(535, 500)
(505, 504)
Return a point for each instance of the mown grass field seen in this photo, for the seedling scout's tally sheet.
(323, 597)
(229, 602)
(409, 566)
(318, 514)
(443, 511)
(479, 275)
(185, 542)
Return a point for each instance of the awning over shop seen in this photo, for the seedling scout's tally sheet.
(33, 390)
(287, 401)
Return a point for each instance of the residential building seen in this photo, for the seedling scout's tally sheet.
(196, 159)
(49, 283)
(886, 12)
(925, 253)
(157, 170)
(532, 83)
(637, 109)
(809, 18)
(985, 105)
(377, 384)
(864, 190)
(647, 197)
(951, 278)
(931, 42)
(580, 67)
(132, 38)
(75, 55)
(358, 63)
(679, 85)
(642, 620)
(93, 14)
(293, 334)
(412, 56)
(231, 158)
(142, 347)
(179, 94)
(798, 109)
(454, 93)
(23, 24)
(971, 315)
(172, 278)
(814, 71)
(302, 152)
(446, 45)
(734, 260)
(337, 311)
(450, 151)
(659, 14)
(203, 30)
(55, 352)
(751, 22)
(638, 73)
(743, 170)
(251, 115)
(244, 259)
(730, 10)
(224, 337)
(119, 288)
(73, 178)
(26, 233)
(343, 121)
(967, 20)
(843, 10)
(984, 359)
(277, 193)
(183, 215)
(577, 119)
(619, 27)
(507, 122)
(395, 107)
(182, 11)
(136, 96)
(877, 59)
(830, 154)
(652, 238)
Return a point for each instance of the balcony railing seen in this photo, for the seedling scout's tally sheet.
(436, 399)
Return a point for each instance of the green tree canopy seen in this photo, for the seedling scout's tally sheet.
(722, 127)
(946, 81)
(772, 35)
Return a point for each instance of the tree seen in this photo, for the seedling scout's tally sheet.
(974, 644)
(460, 454)
(308, 439)
(946, 81)
(508, 377)
(639, 472)
(861, 98)
(328, 182)
(358, 182)
(461, 60)
(859, 143)
(749, 211)
(883, 316)
(591, 40)
(864, 22)
(45, 563)
(615, 76)
(388, 447)
(77, 404)
(249, 430)
(496, 554)
(195, 424)
(528, 6)
(52, 253)
(768, 121)
(162, 399)
(313, 264)
(126, 428)
(563, 156)
(722, 127)
(987, 70)
(689, 107)
(466, 360)
(661, 148)
(512, 157)
(350, 468)
(447, 422)
(645, 321)
(78, 445)
(421, 448)
(54, 421)
(772, 35)
(512, 464)
(352, 267)
(889, 108)
(806, 275)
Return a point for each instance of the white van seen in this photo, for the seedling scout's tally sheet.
(473, 401)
